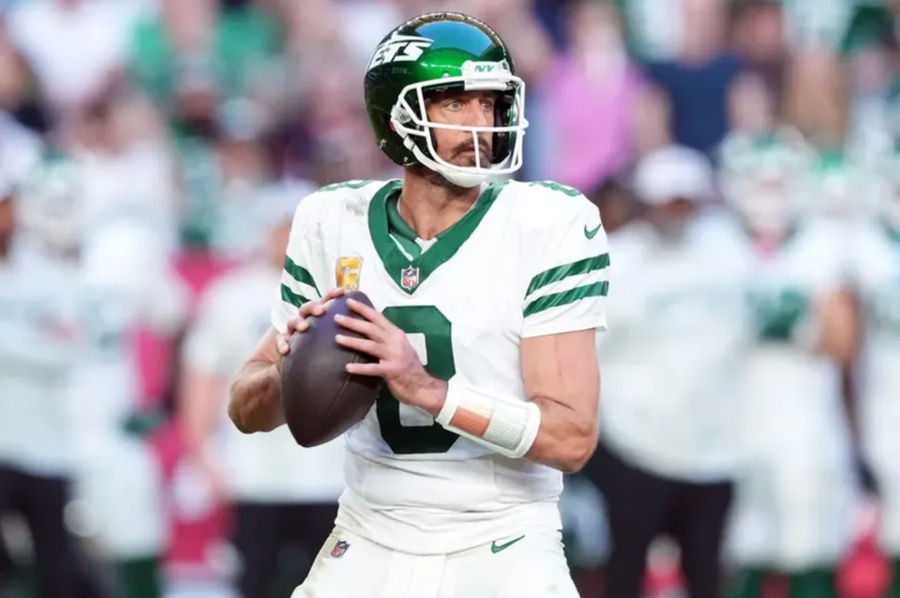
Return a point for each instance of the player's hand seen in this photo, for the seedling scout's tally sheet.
(398, 364)
(299, 322)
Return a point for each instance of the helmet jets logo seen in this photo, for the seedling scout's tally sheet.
(399, 48)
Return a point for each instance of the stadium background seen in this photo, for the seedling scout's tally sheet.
(199, 114)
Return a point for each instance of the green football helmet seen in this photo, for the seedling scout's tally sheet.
(437, 52)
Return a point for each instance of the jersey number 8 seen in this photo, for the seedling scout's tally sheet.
(407, 440)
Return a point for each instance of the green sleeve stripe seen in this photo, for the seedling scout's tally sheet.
(584, 266)
(299, 273)
(598, 289)
(292, 297)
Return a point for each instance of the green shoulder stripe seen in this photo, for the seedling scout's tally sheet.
(292, 297)
(356, 184)
(554, 186)
(598, 289)
(299, 273)
(559, 272)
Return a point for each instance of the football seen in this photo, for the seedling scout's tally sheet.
(320, 399)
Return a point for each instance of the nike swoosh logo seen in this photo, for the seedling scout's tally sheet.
(495, 548)
(590, 234)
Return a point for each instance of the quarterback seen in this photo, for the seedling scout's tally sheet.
(487, 297)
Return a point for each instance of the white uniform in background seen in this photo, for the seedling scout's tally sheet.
(795, 498)
(427, 513)
(258, 468)
(37, 350)
(125, 282)
(668, 363)
(876, 274)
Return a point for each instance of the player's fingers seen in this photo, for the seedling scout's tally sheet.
(312, 308)
(369, 313)
(363, 345)
(365, 369)
(307, 308)
(319, 308)
(363, 327)
(335, 292)
(297, 324)
(282, 344)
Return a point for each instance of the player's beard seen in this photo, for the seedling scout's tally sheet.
(432, 176)
(436, 178)
(484, 151)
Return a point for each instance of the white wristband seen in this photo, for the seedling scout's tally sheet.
(505, 425)
(451, 402)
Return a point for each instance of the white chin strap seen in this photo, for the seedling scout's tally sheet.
(466, 180)
(410, 123)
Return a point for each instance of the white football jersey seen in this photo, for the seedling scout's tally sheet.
(796, 493)
(233, 315)
(792, 394)
(37, 349)
(528, 259)
(125, 283)
(876, 273)
(669, 359)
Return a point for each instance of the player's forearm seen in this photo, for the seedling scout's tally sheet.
(543, 430)
(566, 439)
(562, 378)
(255, 402)
(199, 406)
(839, 330)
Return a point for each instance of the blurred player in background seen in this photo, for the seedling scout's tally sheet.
(285, 497)
(496, 288)
(37, 351)
(667, 454)
(795, 502)
(876, 273)
(125, 284)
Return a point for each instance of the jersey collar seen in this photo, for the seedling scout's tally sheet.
(399, 230)
(409, 274)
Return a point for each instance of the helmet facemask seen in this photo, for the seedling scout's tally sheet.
(409, 119)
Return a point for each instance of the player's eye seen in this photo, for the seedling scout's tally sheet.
(487, 104)
(453, 105)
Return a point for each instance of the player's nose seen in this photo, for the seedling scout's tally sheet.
(476, 115)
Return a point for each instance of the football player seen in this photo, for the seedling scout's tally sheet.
(667, 454)
(795, 502)
(37, 353)
(876, 273)
(487, 297)
(283, 496)
(125, 284)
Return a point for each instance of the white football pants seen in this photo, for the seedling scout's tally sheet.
(532, 566)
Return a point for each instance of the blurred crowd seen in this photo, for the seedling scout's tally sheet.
(745, 155)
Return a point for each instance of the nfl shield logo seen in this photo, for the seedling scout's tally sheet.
(340, 548)
(409, 278)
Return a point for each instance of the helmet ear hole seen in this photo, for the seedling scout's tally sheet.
(504, 114)
(501, 143)
(400, 114)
